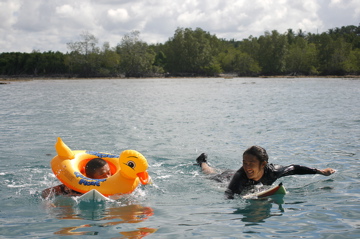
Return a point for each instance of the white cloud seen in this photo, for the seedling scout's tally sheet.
(347, 4)
(118, 15)
(8, 10)
(49, 25)
(188, 18)
(65, 10)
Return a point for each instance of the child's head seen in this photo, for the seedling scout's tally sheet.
(97, 168)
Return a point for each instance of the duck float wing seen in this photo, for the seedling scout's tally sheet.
(63, 150)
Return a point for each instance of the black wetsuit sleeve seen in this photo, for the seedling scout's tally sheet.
(236, 185)
(293, 169)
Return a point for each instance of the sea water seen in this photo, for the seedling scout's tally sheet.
(313, 122)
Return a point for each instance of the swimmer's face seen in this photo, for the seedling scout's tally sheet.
(253, 168)
(103, 172)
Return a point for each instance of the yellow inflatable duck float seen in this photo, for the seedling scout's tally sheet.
(128, 170)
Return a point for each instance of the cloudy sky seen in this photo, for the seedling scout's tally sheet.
(27, 25)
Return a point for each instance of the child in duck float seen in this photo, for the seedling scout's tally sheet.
(80, 171)
(96, 168)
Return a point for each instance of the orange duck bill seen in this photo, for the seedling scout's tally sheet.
(144, 177)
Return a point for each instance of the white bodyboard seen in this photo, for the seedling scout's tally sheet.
(278, 189)
(93, 196)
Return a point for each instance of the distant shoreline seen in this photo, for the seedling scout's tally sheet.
(7, 79)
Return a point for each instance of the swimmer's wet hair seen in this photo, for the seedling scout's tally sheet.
(259, 152)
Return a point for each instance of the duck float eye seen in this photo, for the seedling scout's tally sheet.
(131, 164)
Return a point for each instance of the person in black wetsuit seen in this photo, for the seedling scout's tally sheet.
(96, 168)
(255, 170)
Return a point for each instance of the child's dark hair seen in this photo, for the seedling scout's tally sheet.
(93, 165)
(258, 152)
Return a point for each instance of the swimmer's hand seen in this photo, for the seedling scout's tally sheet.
(326, 172)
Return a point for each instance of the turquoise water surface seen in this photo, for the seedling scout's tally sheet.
(312, 122)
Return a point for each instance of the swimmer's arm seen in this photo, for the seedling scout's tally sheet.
(229, 194)
(294, 169)
(326, 172)
(57, 190)
(234, 185)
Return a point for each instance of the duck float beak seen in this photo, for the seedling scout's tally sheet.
(144, 177)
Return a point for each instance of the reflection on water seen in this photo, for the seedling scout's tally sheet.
(140, 233)
(100, 211)
(71, 231)
(257, 210)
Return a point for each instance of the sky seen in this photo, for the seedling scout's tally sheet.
(47, 25)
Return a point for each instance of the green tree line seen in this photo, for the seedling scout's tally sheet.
(197, 53)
